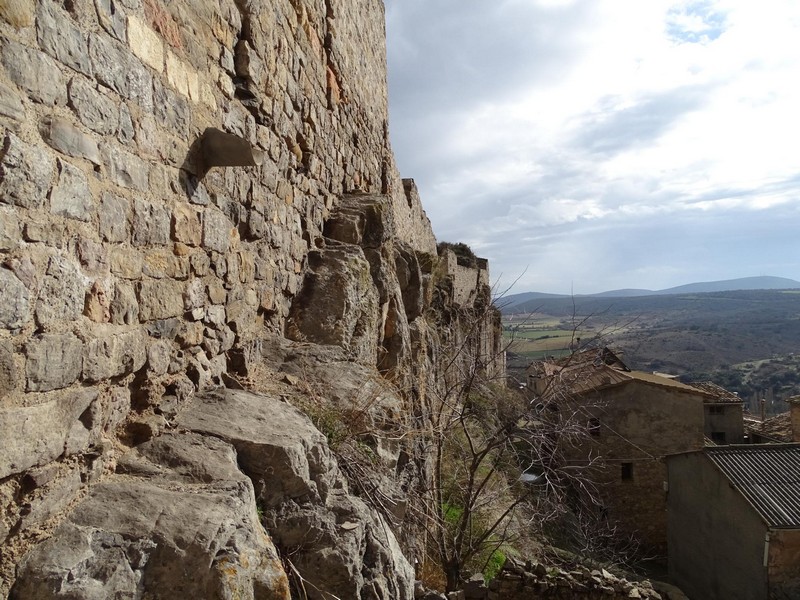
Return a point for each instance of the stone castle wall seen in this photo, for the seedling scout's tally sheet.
(130, 272)
(133, 274)
(118, 250)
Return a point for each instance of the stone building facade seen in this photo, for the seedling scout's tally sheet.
(632, 420)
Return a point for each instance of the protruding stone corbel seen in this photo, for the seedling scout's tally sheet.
(222, 149)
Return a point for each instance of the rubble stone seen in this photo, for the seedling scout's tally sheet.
(53, 361)
(71, 197)
(35, 72)
(43, 431)
(26, 173)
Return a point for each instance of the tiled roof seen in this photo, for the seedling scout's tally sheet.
(778, 428)
(718, 393)
(767, 475)
(598, 369)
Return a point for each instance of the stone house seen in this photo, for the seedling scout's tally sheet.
(782, 428)
(734, 521)
(633, 419)
(723, 414)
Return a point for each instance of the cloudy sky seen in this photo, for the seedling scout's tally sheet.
(590, 145)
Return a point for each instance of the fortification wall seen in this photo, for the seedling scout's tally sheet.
(132, 273)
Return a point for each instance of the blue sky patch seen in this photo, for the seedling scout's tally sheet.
(695, 22)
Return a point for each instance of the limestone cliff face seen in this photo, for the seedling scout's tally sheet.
(137, 281)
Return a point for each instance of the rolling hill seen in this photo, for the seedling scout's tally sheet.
(528, 301)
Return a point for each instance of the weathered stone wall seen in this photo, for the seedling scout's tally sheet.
(537, 581)
(784, 563)
(467, 279)
(639, 424)
(724, 419)
(133, 274)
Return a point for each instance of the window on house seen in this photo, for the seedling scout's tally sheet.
(716, 410)
(718, 437)
(594, 426)
(626, 471)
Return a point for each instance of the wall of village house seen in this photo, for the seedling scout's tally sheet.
(129, 276)
(794, 415)
(716, 540)
(730, 422)
(784, 564)
(639, 424)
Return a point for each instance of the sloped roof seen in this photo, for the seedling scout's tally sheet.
(768, 476)
(597, 369)
(598, 377)
(778, 428)
(718, 394)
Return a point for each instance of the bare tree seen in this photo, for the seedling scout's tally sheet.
(493, 450)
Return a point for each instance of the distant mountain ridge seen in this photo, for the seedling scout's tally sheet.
(744, 283)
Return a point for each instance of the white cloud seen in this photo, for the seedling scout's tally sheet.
(533, 120)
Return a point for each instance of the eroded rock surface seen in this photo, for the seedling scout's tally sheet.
(178, 520)
(337, 543)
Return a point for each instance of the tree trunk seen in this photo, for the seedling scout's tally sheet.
(452, 572)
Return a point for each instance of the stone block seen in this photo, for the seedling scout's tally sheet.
(98, 305)
(52, 232)
(111, 18)
(51, 499)
(195, 295)
(115, 217)
(171, 110)
(125, 131)
(9, 377)
(25, 270)
(164, 329)
(216, 231)
(150, 224)
(114, 354)
(158, 357)
(26, 173)
(41, 432)
(115, 67)
(126, 263)
(35, 72)
(71, 197)
(190, 334)
(145, 43)
(18, 13)
(61, 295)
(95, 110)
(182, 77)
(63, 136)
(217, 293)
(10, 234)
(61, 39)
(124, 305)
(163, 263)
(53, 361)
(119, 405)
(160, 299)
(93, 256)
(186, 226)
(125, 169)
(200, 264)
(11, 105)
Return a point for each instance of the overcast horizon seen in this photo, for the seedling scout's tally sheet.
(593, 145)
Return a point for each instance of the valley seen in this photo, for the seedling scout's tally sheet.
(747, 340)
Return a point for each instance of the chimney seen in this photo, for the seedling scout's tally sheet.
(794, 406)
